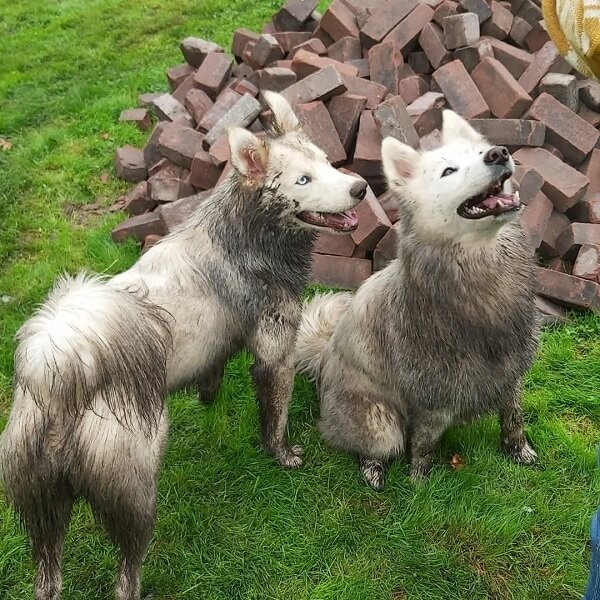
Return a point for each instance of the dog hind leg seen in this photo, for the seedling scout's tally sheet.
(514, 442)
(425, 435)
(208, 383)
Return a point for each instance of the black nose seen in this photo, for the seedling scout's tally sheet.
(498, 155)
(359, 189)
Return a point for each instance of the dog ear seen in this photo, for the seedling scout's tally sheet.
(284, 118)
(398, 160)
(454, 127)
(248, 155)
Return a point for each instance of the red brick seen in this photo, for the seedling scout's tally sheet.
(168, 108)
(180, 144)
(460, 30)
(275, 79)
(393, 120)
(557, 223)
(385, 62)
(587, 264)
(225, 173)
(334, 243)
(536, 38)
(197, 104)
(564, 129)
(405, 34)
(499, 25)
(490, 76)
(129, 164)
(426, 112)
(431, 140)
(519, 31)
(172, 215)
(566, 290)
(481, 8)
(307, 63)
(147, 100)
(546, 59)
(549, 313)
(412, 87)
(313, 45)
(321, 85)
(362, 64)
(586, 210)
(460, 91)
(445, 9)
(346, 48)
(319, 127)
(293, 14)
(139, 116)
(323, 37)
(195, 50)
(339, 21)
(431, 39)
(373, 223)
(152, 154)
(471, 56)
(184, 88)
(204, 174)
(589, 116)
(535, 218)
(138, 227)
(290, 39)
(241, 37)
(176, 75)
(383, 19)
(245, 87)
(151, 240)
(529, 11)
(560, 265)
(527, 181)
(374, 92)
(591, 169)
(137, 201)
(562, 88)
(219, 151)
(589, 94)
(511, 132)
(574, 236)
(340, 271)
(224, 102)
(345, 111)
(562, 184)
(419, 62)
(169, 184)
(516, 60)
(367, 156)
(386, 249)
(212, 75)
(266, 50)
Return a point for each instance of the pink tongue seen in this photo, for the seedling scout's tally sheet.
(490, 202)
(341, 220)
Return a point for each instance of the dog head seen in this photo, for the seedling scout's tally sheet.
(459, 192)
(294, 175)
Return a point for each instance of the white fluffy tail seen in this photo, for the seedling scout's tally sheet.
(91, 341)
(319, 319)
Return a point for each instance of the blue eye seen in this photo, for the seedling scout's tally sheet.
(303, 180)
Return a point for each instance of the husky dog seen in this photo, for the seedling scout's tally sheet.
(442, 335)
(95, 362)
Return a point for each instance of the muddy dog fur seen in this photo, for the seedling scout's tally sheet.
(94, 364)
(444, 334)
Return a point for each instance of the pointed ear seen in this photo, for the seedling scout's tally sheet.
(248, 155)
(454, 127)
(398, 160)
(284, 118)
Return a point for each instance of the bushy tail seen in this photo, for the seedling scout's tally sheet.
(91, 341)
(319, 319)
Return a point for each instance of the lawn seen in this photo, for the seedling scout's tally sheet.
(232, 524)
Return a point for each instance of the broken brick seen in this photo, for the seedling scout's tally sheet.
(385, 61)
(139, 116)
(318, 126)
(345, 111)
(130, 165)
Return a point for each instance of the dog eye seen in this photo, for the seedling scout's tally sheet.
(449, 171)
(303, 180)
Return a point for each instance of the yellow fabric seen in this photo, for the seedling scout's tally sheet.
(574, 26)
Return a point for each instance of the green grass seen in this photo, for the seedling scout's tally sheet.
(232, 525)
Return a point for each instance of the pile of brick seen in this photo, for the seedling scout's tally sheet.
(366, 69)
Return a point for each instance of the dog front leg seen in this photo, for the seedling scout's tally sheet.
(425, 435)
(273, 376)
(208, 383)
(514, 442)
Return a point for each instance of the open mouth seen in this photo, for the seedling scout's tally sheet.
(491, 203)
(343, 221)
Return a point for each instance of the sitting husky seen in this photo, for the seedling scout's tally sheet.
(95, 362)
(445, 332)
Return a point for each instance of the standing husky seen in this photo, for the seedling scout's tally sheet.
(94, 363)
(444, 334)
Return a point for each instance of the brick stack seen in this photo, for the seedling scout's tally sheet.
(366, 69)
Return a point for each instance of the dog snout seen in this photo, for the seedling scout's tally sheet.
(359, 189)
(498, 155)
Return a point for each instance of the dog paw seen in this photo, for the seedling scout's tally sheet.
(524, 456)
(373, 473)
(290, 457)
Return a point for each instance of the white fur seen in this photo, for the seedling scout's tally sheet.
(416, 176)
